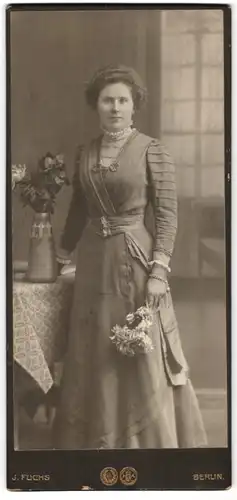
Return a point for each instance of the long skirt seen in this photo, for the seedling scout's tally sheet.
(109, 400)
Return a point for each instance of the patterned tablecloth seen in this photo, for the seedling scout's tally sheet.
(40, 324)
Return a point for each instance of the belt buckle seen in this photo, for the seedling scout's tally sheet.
(106, 231)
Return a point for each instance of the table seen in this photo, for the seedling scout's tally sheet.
(41, 314)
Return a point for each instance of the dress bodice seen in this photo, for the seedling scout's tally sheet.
(144, 173)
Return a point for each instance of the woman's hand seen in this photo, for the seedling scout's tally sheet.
(59, 268)
(155, 290)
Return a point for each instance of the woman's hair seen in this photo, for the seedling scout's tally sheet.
(114, 74)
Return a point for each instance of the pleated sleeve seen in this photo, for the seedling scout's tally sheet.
(77, 214)
(162, 184)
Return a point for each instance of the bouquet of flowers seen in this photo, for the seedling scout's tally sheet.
(39, 189)
(133, 338)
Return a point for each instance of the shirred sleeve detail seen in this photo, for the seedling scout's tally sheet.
(162, 183)
(77, 214)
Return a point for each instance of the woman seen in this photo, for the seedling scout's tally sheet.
(109, 400)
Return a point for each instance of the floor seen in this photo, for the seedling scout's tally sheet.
(200, 310)
(36, 434)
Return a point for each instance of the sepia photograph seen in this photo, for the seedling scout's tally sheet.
(118, 229)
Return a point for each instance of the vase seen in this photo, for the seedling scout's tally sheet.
(42, 264)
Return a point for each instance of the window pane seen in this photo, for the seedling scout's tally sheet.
(178, 116)
(212, 181)
(185, 178)
(178, 49)
(181, 148)
(178, 83)
(212, 83)
(212, 116)
(212, 149)
(212, 49)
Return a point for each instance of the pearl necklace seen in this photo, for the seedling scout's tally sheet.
(120, 134)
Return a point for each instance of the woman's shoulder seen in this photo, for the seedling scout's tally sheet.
(155, 146)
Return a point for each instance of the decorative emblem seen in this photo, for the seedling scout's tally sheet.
(99, 167)
(109, 476)
(114, 166)
(128, 476)
(105, 227)
(38, 230)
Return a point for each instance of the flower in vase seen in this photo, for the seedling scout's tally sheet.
(48, 163)
(40, 188)
(18, 174)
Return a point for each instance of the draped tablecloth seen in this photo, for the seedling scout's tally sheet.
(41, 314)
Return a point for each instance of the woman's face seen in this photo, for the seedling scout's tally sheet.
(115, 106)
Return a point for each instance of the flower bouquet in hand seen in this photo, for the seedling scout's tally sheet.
(39, 189)
(133, 338)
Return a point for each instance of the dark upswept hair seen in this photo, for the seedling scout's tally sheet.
(114, 74)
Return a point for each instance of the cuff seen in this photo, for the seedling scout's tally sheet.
(162, 257)
(63, 257)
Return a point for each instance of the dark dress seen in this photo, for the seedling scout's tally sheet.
(109, 400)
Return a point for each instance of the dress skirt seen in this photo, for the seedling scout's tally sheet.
(109, 400)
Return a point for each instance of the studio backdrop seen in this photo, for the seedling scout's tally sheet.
(179, 55)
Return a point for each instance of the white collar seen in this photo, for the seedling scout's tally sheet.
(120, 134)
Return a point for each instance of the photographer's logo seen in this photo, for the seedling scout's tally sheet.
(128, 476)
(109, 476)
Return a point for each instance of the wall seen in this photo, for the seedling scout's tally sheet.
(192, 119)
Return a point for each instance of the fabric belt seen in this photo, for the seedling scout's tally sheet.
(108, 226)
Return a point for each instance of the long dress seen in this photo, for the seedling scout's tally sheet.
(109, 400)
